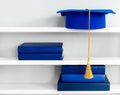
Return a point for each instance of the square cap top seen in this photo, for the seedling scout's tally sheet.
(102, 11)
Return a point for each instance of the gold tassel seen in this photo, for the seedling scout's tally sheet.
(88, 72)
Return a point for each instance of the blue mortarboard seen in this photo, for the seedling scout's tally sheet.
(78, 19)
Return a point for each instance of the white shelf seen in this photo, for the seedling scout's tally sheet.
(65, 61)
(56, 29)
(37, 88)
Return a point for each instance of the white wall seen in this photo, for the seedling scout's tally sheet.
(43, 12)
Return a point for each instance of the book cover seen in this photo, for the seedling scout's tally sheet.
(40, 48)
(80, 69)
(81, 78)
(82, 86)
(40, 56)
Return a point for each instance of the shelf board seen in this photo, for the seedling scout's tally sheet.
(57, 30)
(65, 61)
(37, 88)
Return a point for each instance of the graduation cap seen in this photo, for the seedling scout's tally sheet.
(78, 18)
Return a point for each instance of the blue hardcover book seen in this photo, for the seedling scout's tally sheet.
(80, 69)
(46, 47)
(82, 86)
(81, 78)
(40, 56)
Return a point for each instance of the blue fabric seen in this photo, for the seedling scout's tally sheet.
(78, 19)
(80, 86)
(81, 78)
(80, 69)
(103, 11)
(40, 48)
(40, 56)
(42, 44)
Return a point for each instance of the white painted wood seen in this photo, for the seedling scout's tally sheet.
(57, 29)
(65, 61)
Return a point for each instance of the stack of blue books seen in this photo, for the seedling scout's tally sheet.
(72, 79)
(40, 51)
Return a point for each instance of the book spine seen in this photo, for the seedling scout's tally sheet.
(80, 69)
(40, 50)
(83, 87)
(81, 78)
(40, 57)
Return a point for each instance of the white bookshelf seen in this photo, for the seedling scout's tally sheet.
(65, 61)
(57, 29)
